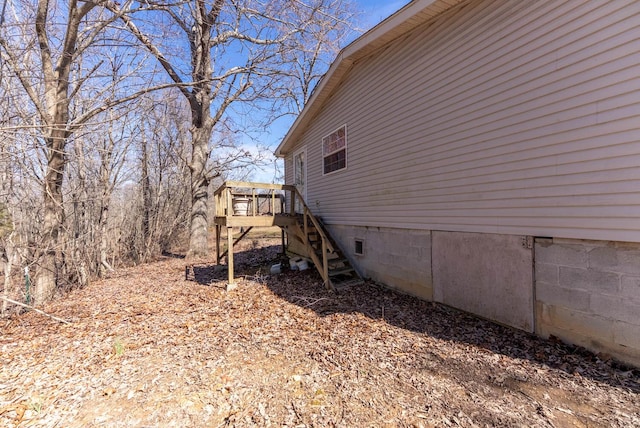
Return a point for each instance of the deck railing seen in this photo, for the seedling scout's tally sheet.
(258, 194)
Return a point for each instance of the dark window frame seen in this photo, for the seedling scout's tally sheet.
(334, 151)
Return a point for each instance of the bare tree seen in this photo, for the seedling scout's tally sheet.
(113, 148)
(235, 56)
(6, 251)
(308, 54)
(156, 215)
(9, 165)
(55, 51)
(97, 166)
(76, 71)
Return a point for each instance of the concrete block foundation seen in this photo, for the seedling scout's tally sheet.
(485, 274)
(594, 301)
(398, 258)
(583, 292)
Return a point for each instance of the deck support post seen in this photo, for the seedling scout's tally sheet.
(218, 233)
(232, 283)
(325, 265)
(284, 244)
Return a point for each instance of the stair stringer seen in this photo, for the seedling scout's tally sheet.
(334, 267)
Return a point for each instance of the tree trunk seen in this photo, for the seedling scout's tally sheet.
(146, 194)
(82, 245)
(6, 228)
(104, 266)
(47, 272)
(105, 201)
(5, 268)
(199, 232)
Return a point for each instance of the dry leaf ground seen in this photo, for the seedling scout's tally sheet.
(147, 348)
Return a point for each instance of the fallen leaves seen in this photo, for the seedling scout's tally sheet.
(18, 411)
(148, 348)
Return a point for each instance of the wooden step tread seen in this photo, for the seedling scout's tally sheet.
(331, 256)
(342, 271)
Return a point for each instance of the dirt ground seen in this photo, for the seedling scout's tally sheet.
(147, 348)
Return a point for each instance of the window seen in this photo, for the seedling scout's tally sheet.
(359, 247)
(334, 150)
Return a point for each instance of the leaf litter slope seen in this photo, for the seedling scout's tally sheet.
(149, 348)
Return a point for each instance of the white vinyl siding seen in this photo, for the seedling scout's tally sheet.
(508, 116)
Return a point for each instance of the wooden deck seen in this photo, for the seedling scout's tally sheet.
(249, 204)
(256, 205)
(264, 204)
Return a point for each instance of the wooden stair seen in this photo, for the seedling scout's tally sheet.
(335, 269)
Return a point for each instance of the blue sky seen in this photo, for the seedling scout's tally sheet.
(377, 10)
(373, 11)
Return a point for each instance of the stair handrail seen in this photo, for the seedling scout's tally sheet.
(307, 212)
(321, 265)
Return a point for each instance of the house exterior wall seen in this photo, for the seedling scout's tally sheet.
(288, 178)
(588, 292)
(488, 275)
(399, 258)
(498, 117)
(288, 170)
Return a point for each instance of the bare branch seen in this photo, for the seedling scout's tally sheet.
(147, 43)
(35, 310)
(8, 57)
(45, 57)
(237, 35)
(82, 80)
(112, 103)
(71, 36)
